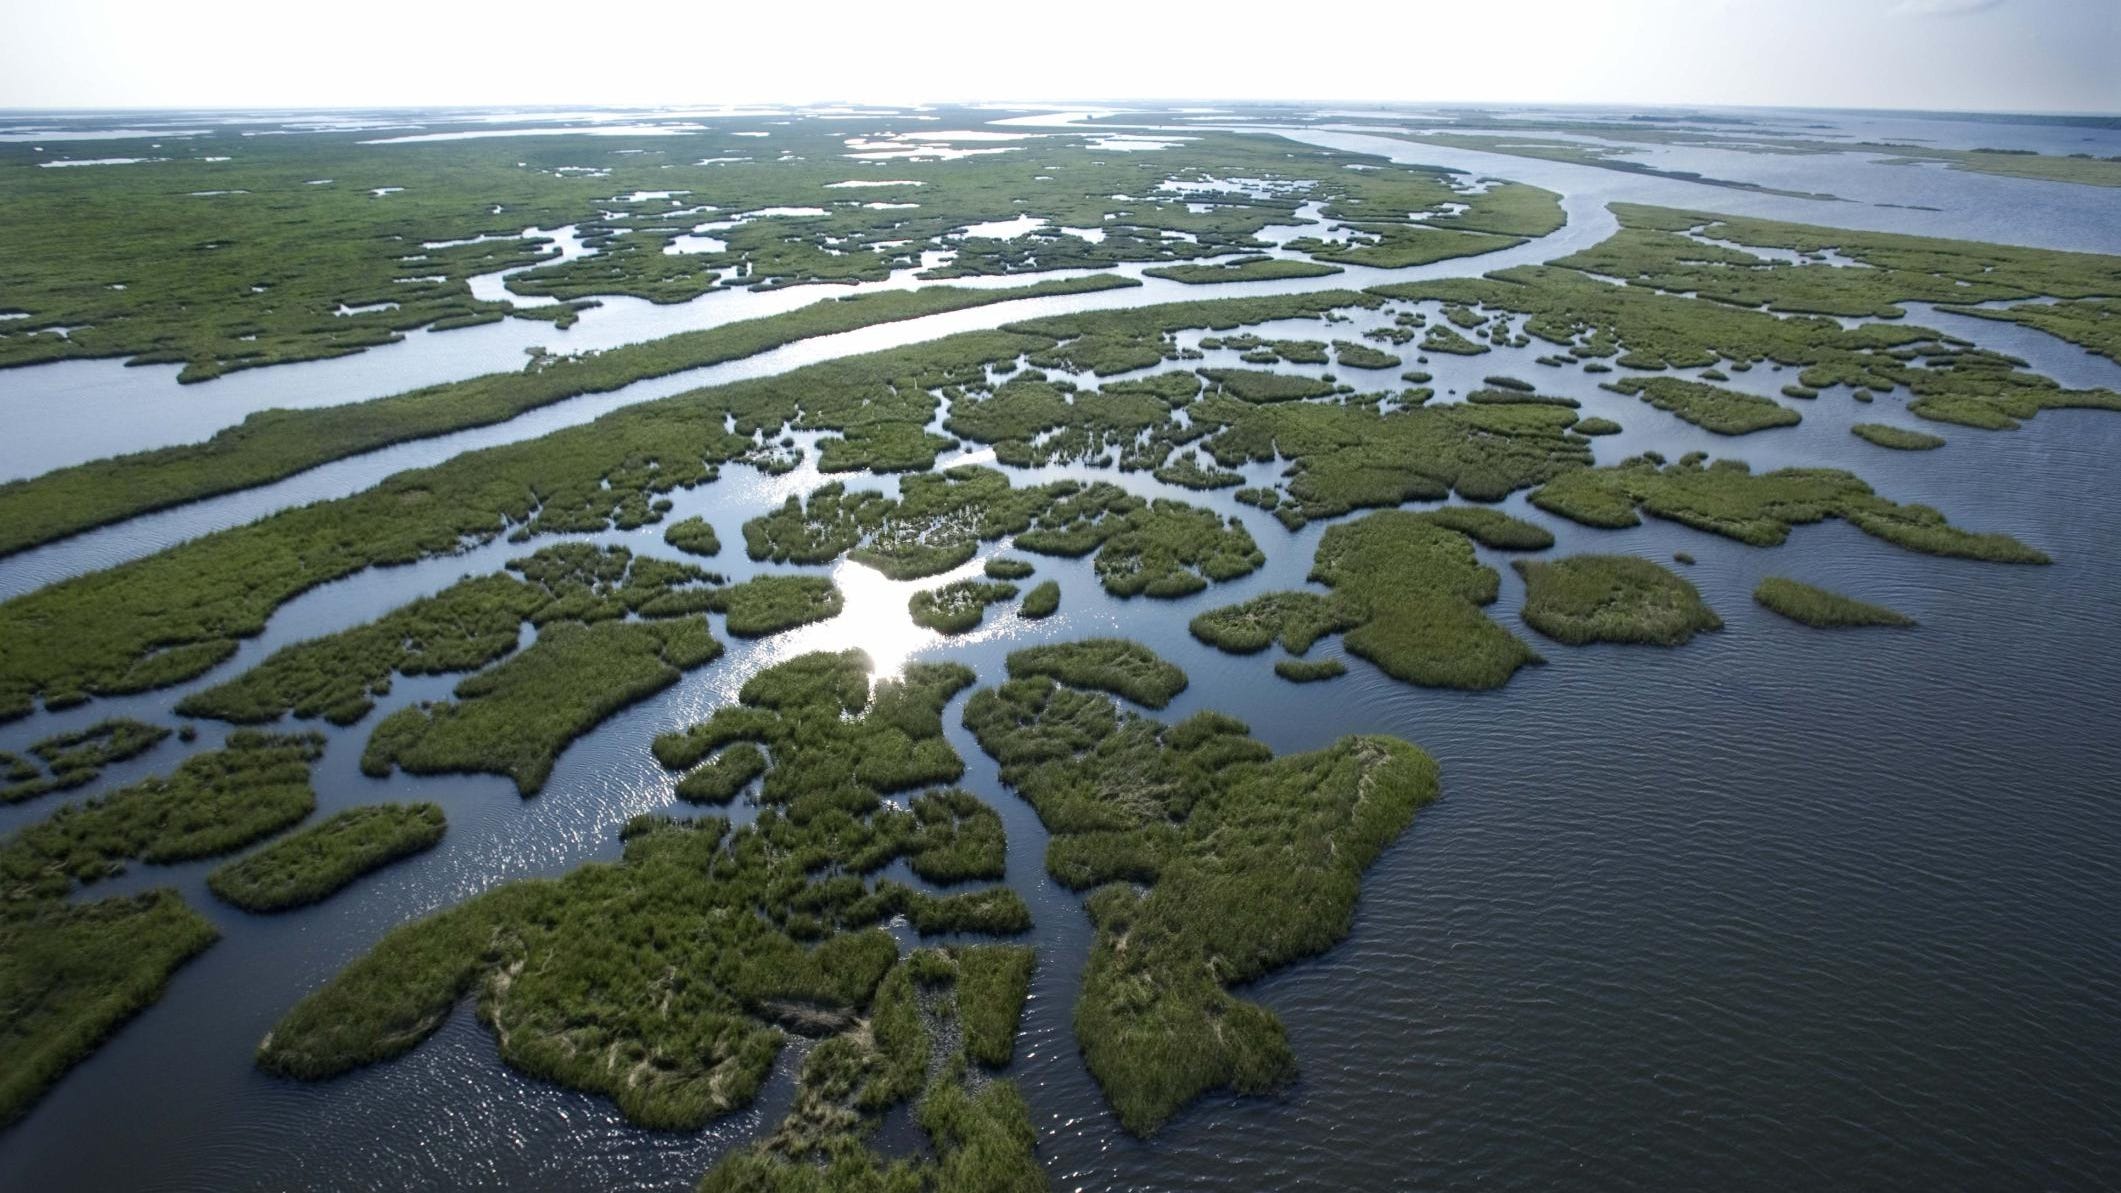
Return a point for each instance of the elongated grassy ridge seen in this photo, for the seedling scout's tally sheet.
(314, 864)
(1211, 863)
(1309, 670)
(1710, 407)
(1246, 269)
(1728, 498)
(75, 758)
(1612, 598)
(1897, 438)
(1819, 607)
(774, 927)
(274, 444)
(1113, 665)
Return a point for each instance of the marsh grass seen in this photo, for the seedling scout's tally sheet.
(957, 608)
(1210, 862)
(775, 926)
(1821, 608)
(1041, 602)
(1612, 598)
(1113, 665)
(1897, 438)
(317, 862)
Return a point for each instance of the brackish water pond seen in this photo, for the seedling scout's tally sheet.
(1776, 907)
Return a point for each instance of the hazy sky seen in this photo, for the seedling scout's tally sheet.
(2025, 55)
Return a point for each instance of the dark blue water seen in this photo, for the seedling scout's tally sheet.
(1782, 907)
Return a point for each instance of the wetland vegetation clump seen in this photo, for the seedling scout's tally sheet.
(314, 864)
(478, 621)
(72, 971)
(1041, 602)
(514, 719)
(1596, 426)
(694, 536)
(75, 758)
(775, 927)
(1243, 269)
(1726, 497)
(1710, 407)
(1309, 670)
(1350, 355)
(937, 1018)
(1003, 567)
(1115, 665)
(1897, 438)
(1821, 608)
(1210, 863)
(1406, 590)
(1612, 598)
(957, 608)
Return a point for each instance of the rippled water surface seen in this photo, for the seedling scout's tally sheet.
(1780, 908)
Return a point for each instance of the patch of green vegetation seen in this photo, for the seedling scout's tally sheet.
(1294, 619)
(72, 973)
(2092, 323)
(666, 981)
(1255, 385)
(1728, 498)
(1897, 438)
(1211, 862)
(1401, 246)
(1002, 567)
(1819, 607)
(1185, 470)
(1421, 590)
(515, 718)
(766, 605)
(1406, 590)
(1346, 457)
(694, 536)
(1115, 665)
(1243, 269)
(1612, 598)
(271, 445)
(1309, 670)
(1350, 355)
(1118, 341)
(213, 803)
(718, 780)
(75, 758)
(1596, 426)
(479, 620)
(1443, 339)
(1710, 407)
(957, 608)
(1514, 397)
(314, 864)
(1767, 310)
(1041, 602)
(981, 1132)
